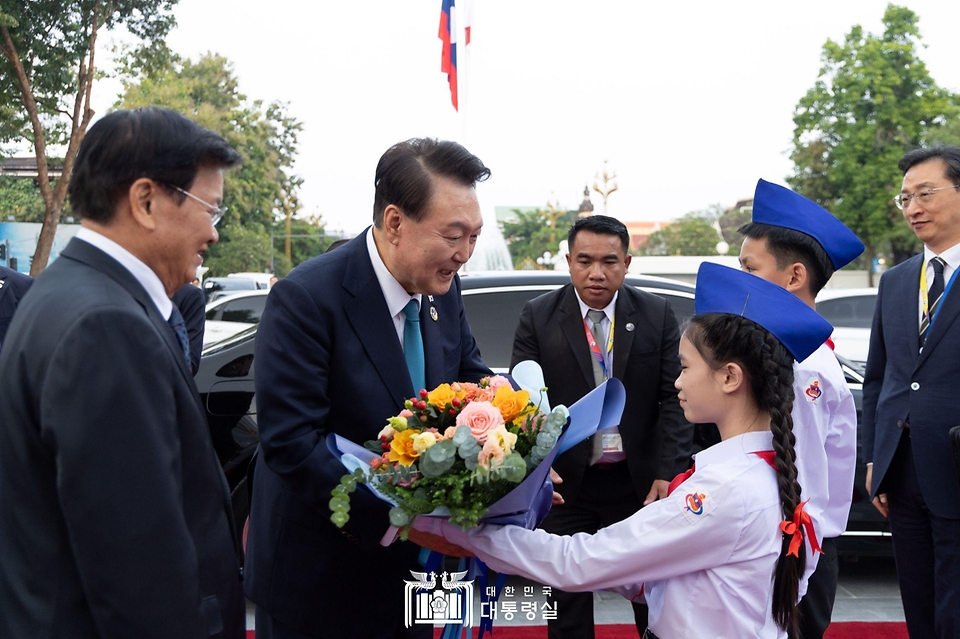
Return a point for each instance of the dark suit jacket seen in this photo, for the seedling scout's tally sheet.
(656, 437)
(902, 384)
(192, 304)
(13, 286)
(328, 361)
(114, 514)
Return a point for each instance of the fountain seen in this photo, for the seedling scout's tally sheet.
(491, 253)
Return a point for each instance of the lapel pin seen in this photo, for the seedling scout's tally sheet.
(629, 326)
(433, 314)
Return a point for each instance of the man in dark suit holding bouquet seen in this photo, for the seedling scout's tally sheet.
(344, 339)
(586, 332)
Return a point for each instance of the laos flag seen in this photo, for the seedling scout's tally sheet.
(448, 55)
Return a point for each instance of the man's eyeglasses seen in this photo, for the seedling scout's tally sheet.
(216, 212)
(922, 196)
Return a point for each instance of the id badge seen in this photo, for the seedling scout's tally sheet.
(611, 443)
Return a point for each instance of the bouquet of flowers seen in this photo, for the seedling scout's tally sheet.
(458, 448)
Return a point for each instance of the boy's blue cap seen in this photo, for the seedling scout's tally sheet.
(721, 289)
(779, 206)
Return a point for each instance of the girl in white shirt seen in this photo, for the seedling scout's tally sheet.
(723, 554)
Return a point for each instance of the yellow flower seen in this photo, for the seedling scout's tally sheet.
(402, 450)
(511, 403)
(443, 395)
(502, 439)
(423, 441)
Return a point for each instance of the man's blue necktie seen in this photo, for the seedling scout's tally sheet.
(413, 345)
(180, 330)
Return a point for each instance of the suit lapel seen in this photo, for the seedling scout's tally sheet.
(95, 258)
(370, 319)
(949, 310)
(571, 323)
(432, 344)
(626, 313)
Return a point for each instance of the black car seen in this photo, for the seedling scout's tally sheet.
(493, 302)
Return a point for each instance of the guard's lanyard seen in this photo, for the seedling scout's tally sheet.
(595, 349)
(924, 293)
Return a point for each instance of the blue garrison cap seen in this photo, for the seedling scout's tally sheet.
(721, 289)
(779, 206)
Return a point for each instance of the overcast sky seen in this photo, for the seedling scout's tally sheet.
(689, 102)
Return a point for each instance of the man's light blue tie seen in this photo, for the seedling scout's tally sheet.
(180, 330)
(413, 345)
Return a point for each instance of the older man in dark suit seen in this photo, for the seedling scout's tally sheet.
(910, 399)
(581, 334)
(114, 514)
(13, 286)
(344, 340)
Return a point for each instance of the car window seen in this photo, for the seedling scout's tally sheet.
(493, 317)
(246, 309)
(494, 314)
(849, 312)
(213, 313)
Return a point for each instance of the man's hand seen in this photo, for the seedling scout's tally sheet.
(556, 479)
(437, 543)
(880, 501)
(658, 490)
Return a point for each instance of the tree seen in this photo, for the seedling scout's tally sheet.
(20, 198)
(263, 187)
(534, 233)
(696, 233)
(48, 48)
(307, 239)
(241, 250)
(873, 101)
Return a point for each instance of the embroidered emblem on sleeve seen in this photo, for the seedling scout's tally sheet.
(813, 391)
(694, 506)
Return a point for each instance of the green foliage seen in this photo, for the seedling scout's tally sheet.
(51, 38)
(308, 239)
(207, 92)
(695, 234)
(20, 198)
(242, 249)
(873, 101)
(532, 234)
(47, 62)
(263, 187)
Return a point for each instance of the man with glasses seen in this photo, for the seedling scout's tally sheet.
(115, 518)
(910, 398)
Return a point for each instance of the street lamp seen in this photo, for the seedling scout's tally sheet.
(545, 260)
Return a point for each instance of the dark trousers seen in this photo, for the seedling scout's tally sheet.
(606, 496)
(816, 607)
(927, 552)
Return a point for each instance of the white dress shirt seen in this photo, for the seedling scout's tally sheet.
(143, 273)
(707, 571)
(952, 258)
(396, 296)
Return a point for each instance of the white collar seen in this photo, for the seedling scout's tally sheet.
(735, 447)
(393, 292)
(143, 273)
(608, 310)
(951, 256)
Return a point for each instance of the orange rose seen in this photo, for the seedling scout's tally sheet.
(511, 403)
(401, 448)
(443, 395)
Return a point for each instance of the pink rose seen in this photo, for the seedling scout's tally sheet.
(405, 413)
(480, 418)
(499, 380)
